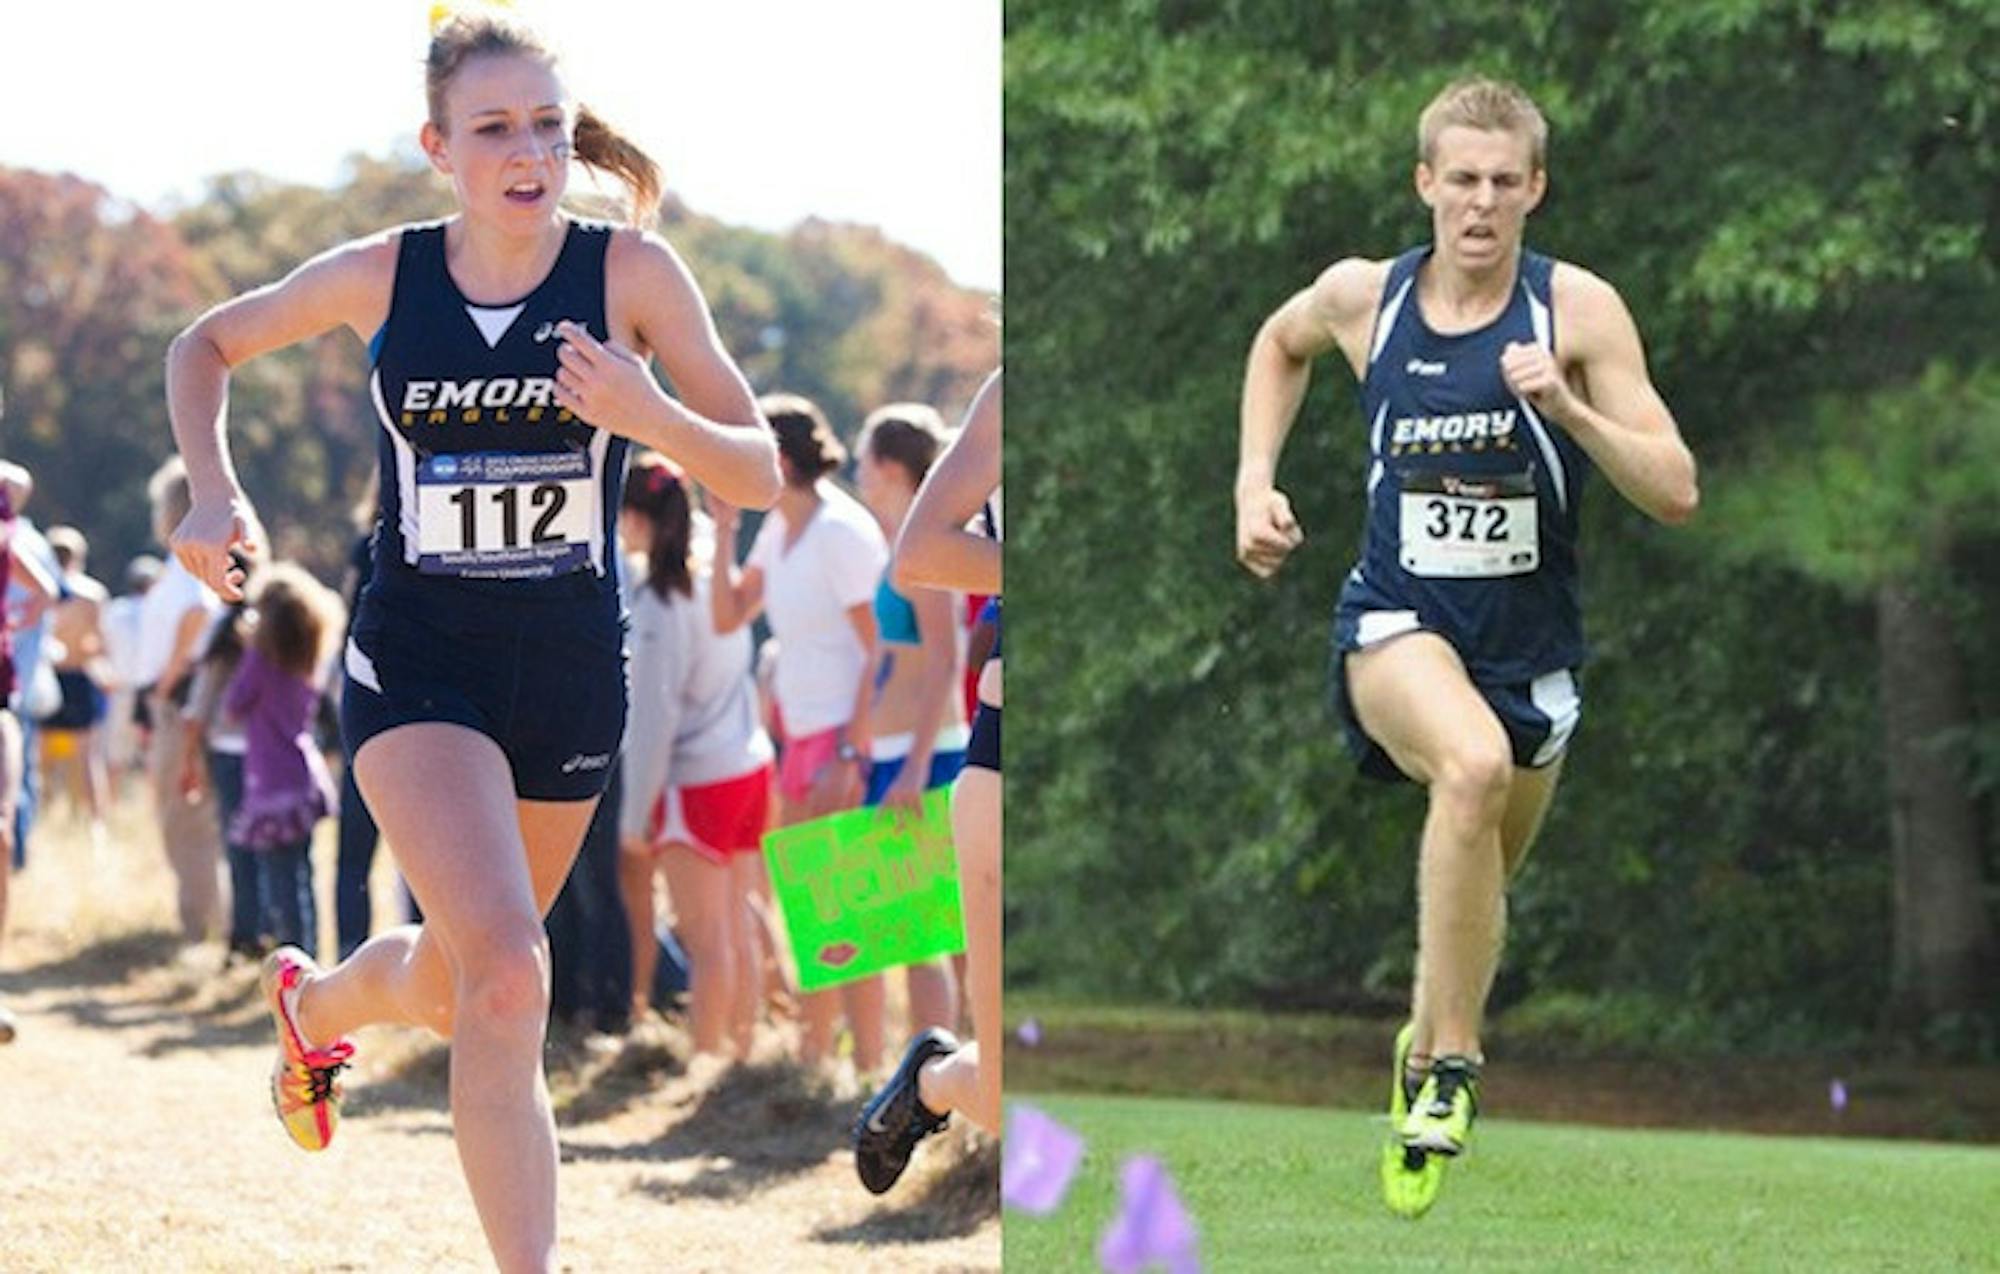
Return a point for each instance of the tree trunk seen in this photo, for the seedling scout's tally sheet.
(1943, 937)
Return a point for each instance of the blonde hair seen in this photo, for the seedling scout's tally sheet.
(1493, 106)
(460, 37)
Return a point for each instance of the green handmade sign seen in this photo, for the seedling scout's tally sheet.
(867, 890)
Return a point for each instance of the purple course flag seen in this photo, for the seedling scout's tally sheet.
(1030, 1032)
(1836, 1095)
(1152, 1228)
(1039, 1162)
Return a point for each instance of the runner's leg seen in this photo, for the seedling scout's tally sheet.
(1413, 697)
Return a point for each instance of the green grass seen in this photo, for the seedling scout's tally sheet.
(1276, 1188)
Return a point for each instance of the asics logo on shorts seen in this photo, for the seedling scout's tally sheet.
(582, 762)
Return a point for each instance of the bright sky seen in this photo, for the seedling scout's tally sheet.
(761, 112)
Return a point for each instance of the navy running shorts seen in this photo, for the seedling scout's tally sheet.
(1539, 716)
(542, 682)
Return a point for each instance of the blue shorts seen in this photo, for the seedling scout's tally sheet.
(881, 774)
(1538, 715)
(543, 680)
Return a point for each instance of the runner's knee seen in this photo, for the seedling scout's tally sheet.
(505, 981)
(1474, 776)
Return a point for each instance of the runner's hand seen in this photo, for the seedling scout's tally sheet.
(1531, 372)
(604, 383)
(207, 537)
(1266, 531)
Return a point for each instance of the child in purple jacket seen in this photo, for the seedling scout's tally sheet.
(286, 789)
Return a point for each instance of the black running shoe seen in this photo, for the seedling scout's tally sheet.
(895, 1119)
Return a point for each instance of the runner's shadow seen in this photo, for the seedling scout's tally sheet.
(101, 964)
(228, 1024)
(756, 1126)
(947, 1205)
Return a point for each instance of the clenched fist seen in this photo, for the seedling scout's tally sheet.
(1266, 531)
(1532, 372)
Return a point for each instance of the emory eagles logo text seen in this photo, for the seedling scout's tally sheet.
(499, 399)
(1472, 430)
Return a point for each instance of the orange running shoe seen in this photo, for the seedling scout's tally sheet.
(305, 1083)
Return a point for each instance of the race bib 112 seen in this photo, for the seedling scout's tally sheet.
(505, 515)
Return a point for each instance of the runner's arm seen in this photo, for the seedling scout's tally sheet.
(1275, 380)
(347, 286)
(1619, 418)
(934, 549)
(713, 427)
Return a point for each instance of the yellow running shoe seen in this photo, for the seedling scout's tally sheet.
(1410, 1177)
(305, 1082)
(1441, 1114)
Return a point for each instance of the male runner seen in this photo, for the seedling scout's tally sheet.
(1492, 379)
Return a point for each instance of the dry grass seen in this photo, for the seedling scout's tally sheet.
(135, 1129)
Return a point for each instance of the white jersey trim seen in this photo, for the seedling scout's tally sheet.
(1538, 315)
(600, 556)
(406, 473)
(1375, 446)
(1385, 322)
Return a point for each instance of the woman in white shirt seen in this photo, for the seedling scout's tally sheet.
(697, 784)
(812, 573)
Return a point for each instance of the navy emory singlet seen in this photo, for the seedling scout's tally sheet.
(493, 602)
(487, 485)
(1472, 497)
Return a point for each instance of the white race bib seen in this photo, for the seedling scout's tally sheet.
(506, 515)
(1457, 528)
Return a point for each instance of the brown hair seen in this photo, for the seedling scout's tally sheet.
(1489, 105)
(906, 434)
(296, 617)
(465, 36)
(805, 440)
(655, 491)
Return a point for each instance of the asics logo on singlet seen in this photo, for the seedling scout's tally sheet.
(483, 392)
(582, 762)
(547, 331)
(1458, 428)
(1418, 367)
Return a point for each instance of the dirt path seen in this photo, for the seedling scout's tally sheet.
(136, 1132)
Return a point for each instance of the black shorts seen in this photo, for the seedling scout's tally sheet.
(83, 702)
(542, 681)
(984, 749)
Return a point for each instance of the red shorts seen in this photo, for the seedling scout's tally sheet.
(803, 759)
(715, 820)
